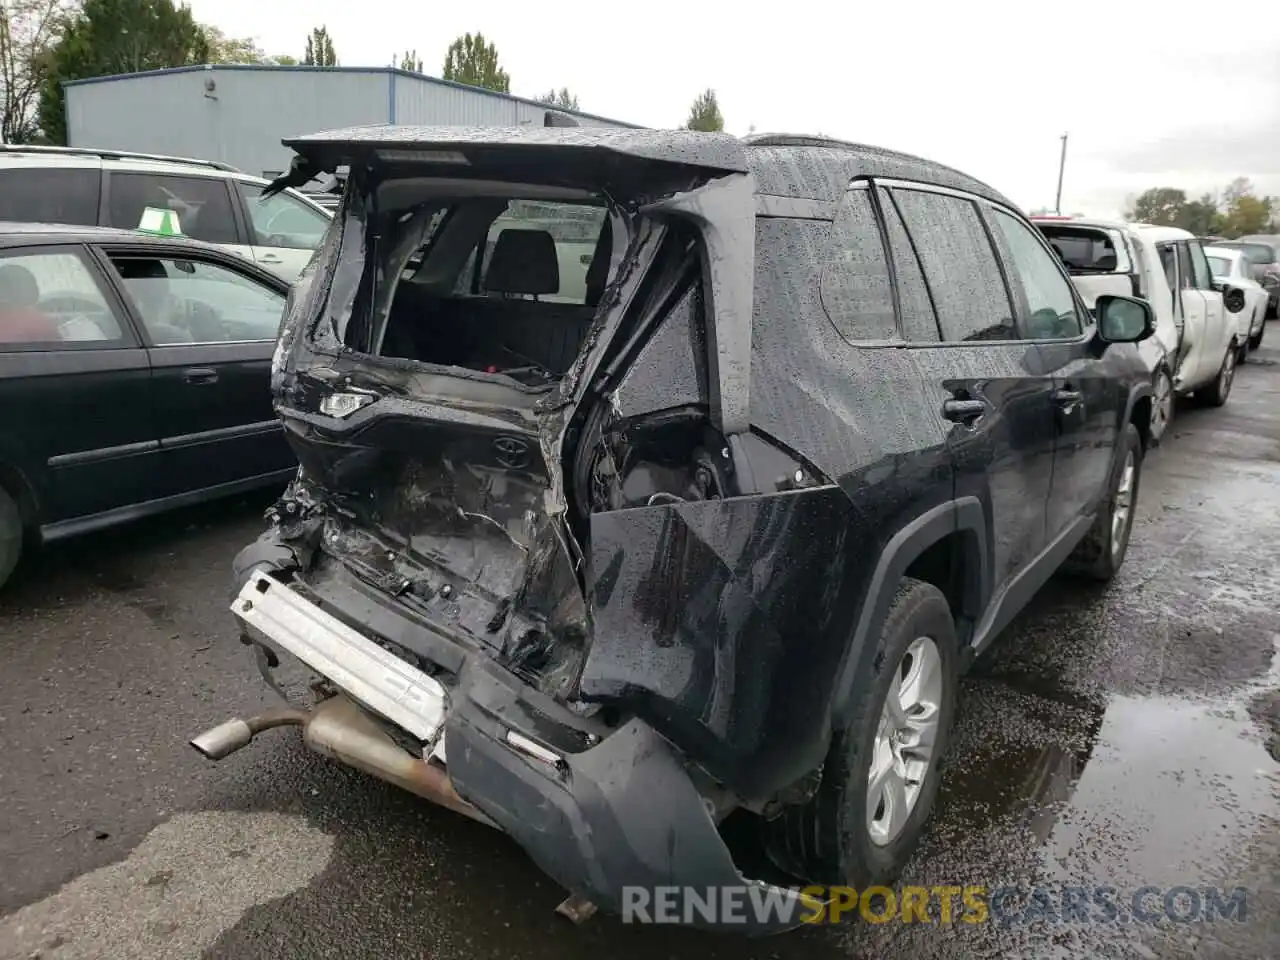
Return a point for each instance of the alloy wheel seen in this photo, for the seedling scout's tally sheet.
(1123, 505)
(902, 752)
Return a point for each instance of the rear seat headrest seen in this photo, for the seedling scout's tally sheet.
(523, 261)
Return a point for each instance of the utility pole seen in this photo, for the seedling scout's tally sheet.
(1062, 165)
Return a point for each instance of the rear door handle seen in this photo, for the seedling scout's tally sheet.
(199, 375)
(271, 258)
(1067, 398)
(963, 411)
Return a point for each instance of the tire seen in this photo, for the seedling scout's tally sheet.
(1162, 403)
(1215, 395)
(1255, 341)
(1101, 553)
(11, 534)
(829, 839)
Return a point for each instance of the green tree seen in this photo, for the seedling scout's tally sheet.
(224, 49)
(284, 60)
(1245, 212)
(28, 31)
(1201, 216)
(561, 98)
(1159, 205)
(474, 61)
(320, 51)
(116, 36)
(705, 113)
(409, 60)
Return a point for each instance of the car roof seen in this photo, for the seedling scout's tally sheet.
(785, 165)
(1226, 253)
(14, 234)
(1093, 223)
(1160, 234)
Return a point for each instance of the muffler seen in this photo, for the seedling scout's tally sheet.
(340, 729)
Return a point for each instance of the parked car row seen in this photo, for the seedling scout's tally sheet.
(1210, 310)
(212, 201)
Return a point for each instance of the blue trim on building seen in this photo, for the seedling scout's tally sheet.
(392, 72)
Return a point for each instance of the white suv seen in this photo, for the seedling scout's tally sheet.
(213, 202)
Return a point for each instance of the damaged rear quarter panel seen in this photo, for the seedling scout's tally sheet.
(716, 620)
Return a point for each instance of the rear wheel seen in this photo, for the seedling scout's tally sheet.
(10, 535)
(1161, 403)
(1216, 394)
(881, 775)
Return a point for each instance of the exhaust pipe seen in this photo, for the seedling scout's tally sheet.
(225, 739)
(339, 729)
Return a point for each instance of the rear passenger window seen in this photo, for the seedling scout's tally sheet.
(202, 204)
(855, 289)
(50, 195)
(964, 277)
(1051, 307)
(1202, 277)
(918, 321)
(52, 299)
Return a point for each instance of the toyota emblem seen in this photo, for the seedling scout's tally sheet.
(511, 452)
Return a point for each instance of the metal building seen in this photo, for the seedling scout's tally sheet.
(237, 114)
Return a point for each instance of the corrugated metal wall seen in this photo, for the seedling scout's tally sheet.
(421, 100)
(242, 120)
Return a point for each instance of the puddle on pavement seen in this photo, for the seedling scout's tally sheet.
(1113, 789)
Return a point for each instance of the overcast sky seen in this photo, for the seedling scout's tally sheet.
(1151, 93)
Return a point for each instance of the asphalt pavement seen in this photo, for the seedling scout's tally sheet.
(1120, 737)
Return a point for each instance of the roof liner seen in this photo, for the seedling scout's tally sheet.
(714, 151)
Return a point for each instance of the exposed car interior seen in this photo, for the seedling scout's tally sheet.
(494, 284)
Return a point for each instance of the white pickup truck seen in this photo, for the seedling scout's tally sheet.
(1196, 344)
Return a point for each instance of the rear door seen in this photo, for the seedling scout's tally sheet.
(1088, 397)
(1220, 325)
(990, 385)
(210, 330)
(205, 206)
(284, 229)
(74, 386)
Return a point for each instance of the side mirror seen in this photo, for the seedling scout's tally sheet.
(1232, 298)
(1124, 319)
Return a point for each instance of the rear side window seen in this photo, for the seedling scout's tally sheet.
(919, 324)
(1167, 261)
(202, 204)
(50, 195)
(1203, 278)
(960, 265)
(855, 289)
(53, 299)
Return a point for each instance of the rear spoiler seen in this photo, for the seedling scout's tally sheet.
(560, 137)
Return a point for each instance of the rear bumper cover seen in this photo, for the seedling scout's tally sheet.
(614, 823)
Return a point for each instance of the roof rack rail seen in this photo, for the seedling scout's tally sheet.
(797, 140)
(117, 155)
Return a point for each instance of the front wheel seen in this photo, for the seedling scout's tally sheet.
(882, 773)
(1101, 553)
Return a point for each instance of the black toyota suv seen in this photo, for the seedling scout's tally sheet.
(648, 476)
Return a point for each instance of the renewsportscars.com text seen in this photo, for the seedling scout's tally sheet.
(945, 904)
